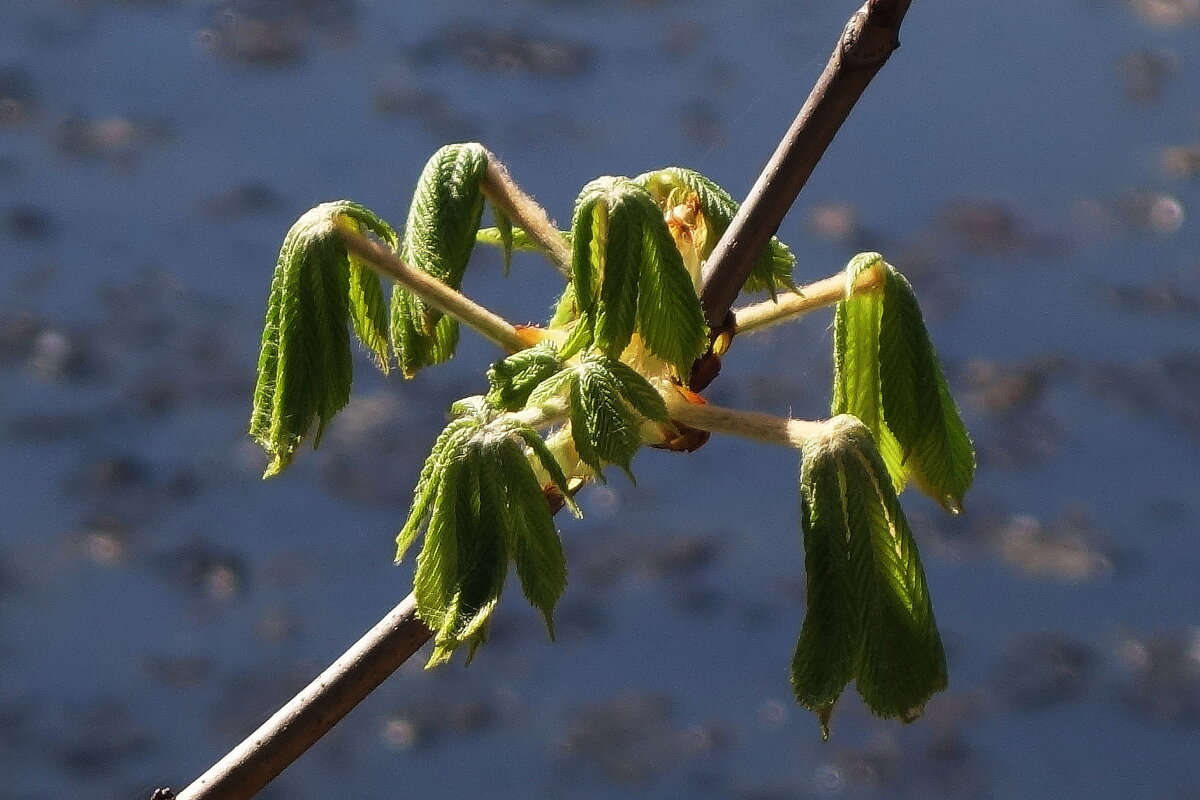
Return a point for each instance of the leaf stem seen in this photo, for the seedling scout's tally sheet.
(433, 291)
(503, 191)
(541, 416)
(788, 306)
(793, 433)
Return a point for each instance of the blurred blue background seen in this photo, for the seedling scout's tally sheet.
(1032, 167)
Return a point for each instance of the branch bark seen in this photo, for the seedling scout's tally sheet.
(868, 39)
(283, 738)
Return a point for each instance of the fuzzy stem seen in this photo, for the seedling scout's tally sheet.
(445, 299)
(788, 306)
(793, 433)
(503, 191)
(542, 416)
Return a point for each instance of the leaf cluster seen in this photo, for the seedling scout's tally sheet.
(320, 289)
(606, 402)
(627, 327)
(479, 506)
(627, 275)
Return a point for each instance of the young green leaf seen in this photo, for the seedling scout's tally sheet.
(438, 570)
(620, 262)
(902, 663)
(603, 426)
(606, 260)
(772, 270)
(305, 364)
(917, 403)
(669, 316)
(530, 534)
(512, 379)
(445, 449)
(856, 362)
(589, 224)
(438, 239)
(865, 576)
(483, 551)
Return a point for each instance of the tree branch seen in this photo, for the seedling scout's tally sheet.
(309, 715)
(865, 44)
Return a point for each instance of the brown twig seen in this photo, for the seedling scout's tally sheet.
(865, 44)
(871, 35)
(309, 715)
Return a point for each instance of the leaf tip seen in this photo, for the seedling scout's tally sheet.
(824, 714)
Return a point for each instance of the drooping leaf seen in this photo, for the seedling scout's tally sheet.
(856, 362)
(530, 535)
(482, 551)
(862, 564)
(438, 239)
(772, 270)
(368, 308)
(512, 379)
(589, 224)
(902, 663)
(438, 570)
(305, 364)
(445, 449)
(620, 262)
(917, 402)
(326, 294)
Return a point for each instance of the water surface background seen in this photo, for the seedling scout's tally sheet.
(1032, 166)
